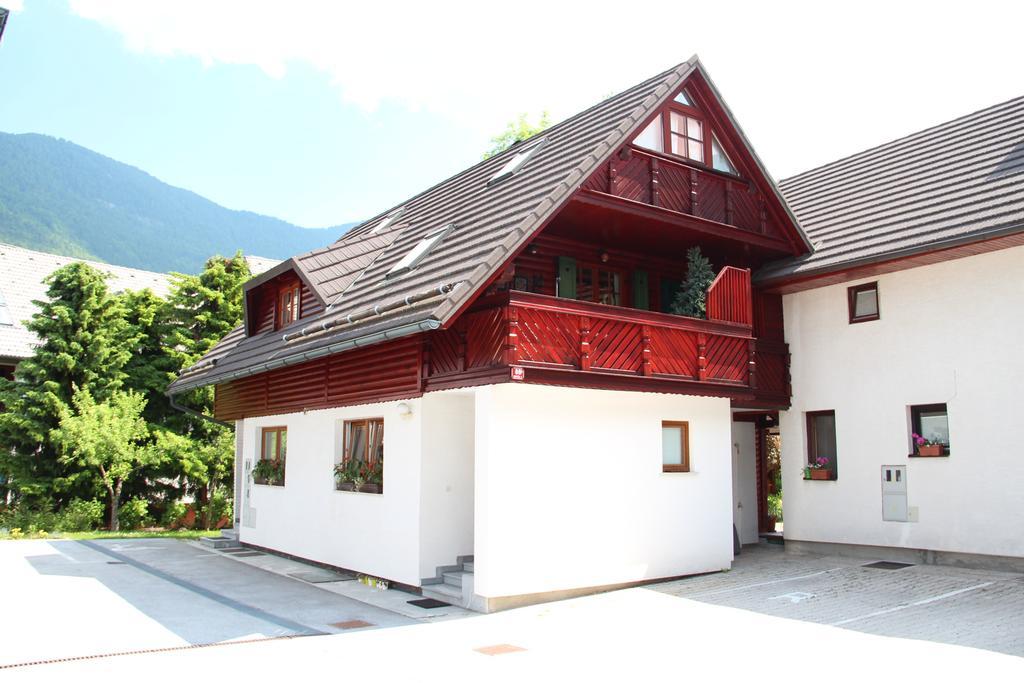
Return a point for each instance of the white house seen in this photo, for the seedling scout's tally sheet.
(553, 423)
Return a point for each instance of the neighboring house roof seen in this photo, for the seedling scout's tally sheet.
(22, 272)
(955, 183)
(492, 221)
(260, 264)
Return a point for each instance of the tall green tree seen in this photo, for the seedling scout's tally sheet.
(83, 345)
(110, 438)
(517, 131)
(151, 365)
(691, 299)
(202, 310)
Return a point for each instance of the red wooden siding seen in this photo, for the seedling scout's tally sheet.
(768, 322)
(729, 297)
(382, 372)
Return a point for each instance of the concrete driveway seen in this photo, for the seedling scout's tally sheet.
(774, 615)
(80, 598)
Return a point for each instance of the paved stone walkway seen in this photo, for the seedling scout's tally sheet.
(983, 609)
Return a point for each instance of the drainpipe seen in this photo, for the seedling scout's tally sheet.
(196, 413)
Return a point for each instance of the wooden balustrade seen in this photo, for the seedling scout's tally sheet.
(729, 297)
(660, 180)
(580, 343)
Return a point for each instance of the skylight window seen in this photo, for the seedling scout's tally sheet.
(515, 163)
(420, 251)
(682, 98)
(719, 160)
(388, 220)
(5, 313)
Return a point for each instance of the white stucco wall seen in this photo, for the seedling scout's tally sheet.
(446, 500)
(423, 519)
(570, 490)
(744, 482)
(949, 333)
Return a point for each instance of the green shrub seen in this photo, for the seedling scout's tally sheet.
(775, 506)
(81, 515)
(134, 514)
(29, 520)
(172, 513)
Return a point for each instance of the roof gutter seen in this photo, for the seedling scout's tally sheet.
(366, 340)
(785, 278)
(196, 413)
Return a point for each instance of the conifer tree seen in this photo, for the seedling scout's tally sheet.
(150, 367)
(82, 345)
(691, 299)
(202, 310)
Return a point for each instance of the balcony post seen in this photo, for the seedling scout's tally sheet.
(702, 359)
(694, 205)
(655, 198)
(752, 363)
(728, 203)
(585, 342)
(512, 336)
(645, 345)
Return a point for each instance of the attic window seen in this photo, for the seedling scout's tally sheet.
(515, 163)
(719, 160)
(5, 313)
(682, 98)
(388, 220)
(420, 251)
(687, 136)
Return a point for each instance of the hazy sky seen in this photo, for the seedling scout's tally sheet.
(321, 113)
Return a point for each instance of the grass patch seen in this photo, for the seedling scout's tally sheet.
(100, 535)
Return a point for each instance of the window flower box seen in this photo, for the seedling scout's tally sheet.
(820, 475)
(930, 451)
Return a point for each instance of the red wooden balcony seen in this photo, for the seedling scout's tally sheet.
(549, 340)
(658, 180)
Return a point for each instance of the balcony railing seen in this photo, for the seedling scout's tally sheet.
(659, 180)
(578, 343)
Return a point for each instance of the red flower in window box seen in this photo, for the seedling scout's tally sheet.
(927, 448)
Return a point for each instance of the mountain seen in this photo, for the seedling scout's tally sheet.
(59, 197)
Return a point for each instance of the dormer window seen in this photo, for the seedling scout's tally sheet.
(288, 305)
(420, 251)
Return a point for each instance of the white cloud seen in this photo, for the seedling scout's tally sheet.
(810, 81)
(13, 5)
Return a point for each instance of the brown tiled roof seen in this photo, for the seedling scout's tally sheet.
(958, 182)
(492, 221)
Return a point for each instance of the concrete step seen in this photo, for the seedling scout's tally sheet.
(229, 533)
(467, 567)
(454, 578)
(443, 592)
(219, 542)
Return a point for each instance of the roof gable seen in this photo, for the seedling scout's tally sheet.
(494, 221)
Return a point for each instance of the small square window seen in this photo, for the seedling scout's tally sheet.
(863, 302)
(362, 457)
(929, 426)
(675, 447)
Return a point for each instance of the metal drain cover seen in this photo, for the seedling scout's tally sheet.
(885, 564)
